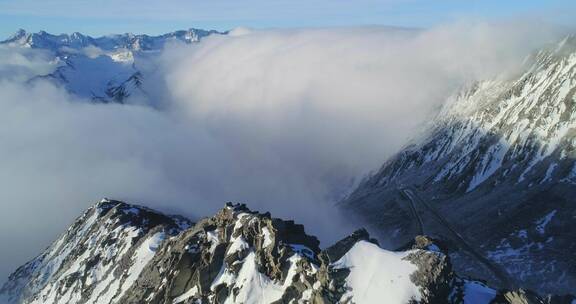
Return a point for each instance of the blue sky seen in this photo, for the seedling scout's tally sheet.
(98, 17)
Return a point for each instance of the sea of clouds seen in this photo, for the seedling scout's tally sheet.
(283, 120)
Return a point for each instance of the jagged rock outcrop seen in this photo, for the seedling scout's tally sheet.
(121, 253)
(219, 256)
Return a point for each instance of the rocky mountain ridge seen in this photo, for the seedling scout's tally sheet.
(121, 253)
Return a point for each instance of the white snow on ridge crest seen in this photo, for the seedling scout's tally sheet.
(375, 272)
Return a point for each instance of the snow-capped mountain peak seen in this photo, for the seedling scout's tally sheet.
(133, 42)
(101, 69)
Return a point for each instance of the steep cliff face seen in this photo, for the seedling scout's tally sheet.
(499, 167)
(121, 253)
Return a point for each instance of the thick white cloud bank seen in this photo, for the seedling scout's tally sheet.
(21, 64)
(334, 97)
(279, 119)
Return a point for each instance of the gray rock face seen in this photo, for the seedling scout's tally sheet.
(495, 176)
(121, 253)
(210, 257)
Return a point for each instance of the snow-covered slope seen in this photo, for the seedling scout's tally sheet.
(103, 69)
(102, 253)
(368, 281)
(499, 168)
(121, 253)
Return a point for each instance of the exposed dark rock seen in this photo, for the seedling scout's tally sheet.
(336, 251)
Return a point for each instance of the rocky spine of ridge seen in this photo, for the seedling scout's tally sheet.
(205, 262)
(121, 253)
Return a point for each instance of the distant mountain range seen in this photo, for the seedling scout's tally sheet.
(103, 69)
(132, 42)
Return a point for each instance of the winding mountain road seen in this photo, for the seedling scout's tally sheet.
(414, 199)
(415, 213)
